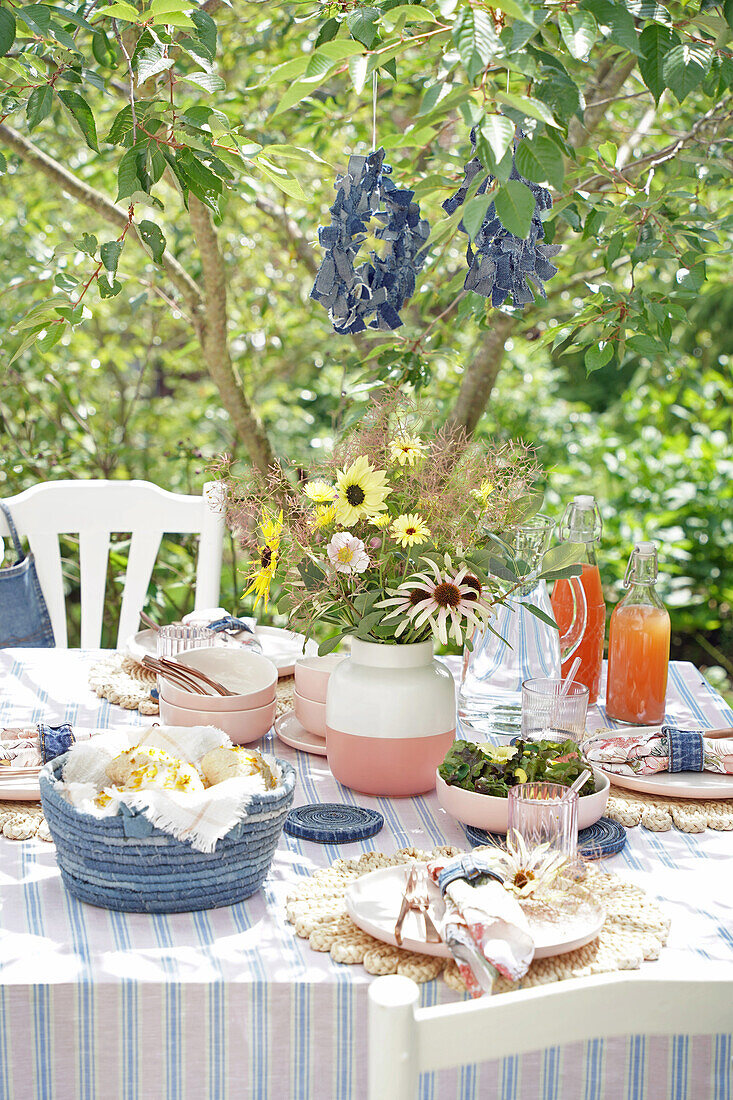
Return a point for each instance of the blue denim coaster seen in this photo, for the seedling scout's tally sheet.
(333, 823)
(604, 838)
(685, 749)
(54, 740)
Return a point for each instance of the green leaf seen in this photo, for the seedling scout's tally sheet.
(328, 30)
(655, 42)
(728, 12)
(121, 10)
(361, 26)
(685, 67)
(7, 31)
(153, 239)
(128, 179)
(475, 39)
(531, 108)
(3, 164)
(108, 288)
(515, 207)
(474, 213)
(109, 253)
(579, 32)
(560, 93)
(39, 105)
(499, 133)
(87, 243)
(205, 32)
(150, 62)
(121, 125)
(645, 345)
(173, 19)
(166, 7)
(341, 49)
(615, 21)
(539, 159)
(210, 82)
(597, 356)
(287, 184)
(331, 643)
(36, 17)
(81, 112)
(539, 614)
(205, 185)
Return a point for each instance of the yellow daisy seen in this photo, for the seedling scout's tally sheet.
(381, 521)
(324, 516)
(483, 492)
(271, 528)
(261, 577)
(320, 492)
(407, 449)
(410, 530)
(360, 492)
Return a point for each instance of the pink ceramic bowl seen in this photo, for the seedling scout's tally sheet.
(311, 715)
(484, 811)
(312, 675)
(251, 675)
(242, 726)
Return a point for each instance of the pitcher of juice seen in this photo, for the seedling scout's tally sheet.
(582, 523)
(638, 645)
(520, 642)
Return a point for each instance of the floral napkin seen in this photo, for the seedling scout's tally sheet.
(659, 750)
(31, 747)
(484, 927)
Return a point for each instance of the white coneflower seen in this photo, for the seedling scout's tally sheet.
(347, 554)
(448, 595)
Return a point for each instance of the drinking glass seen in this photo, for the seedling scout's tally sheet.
(546, 715)
(544, 813)
(171, 640)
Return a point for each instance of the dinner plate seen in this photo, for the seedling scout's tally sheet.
(282, 647)
(373, 902)
(25, 789)
(289, 730)
(710, 785)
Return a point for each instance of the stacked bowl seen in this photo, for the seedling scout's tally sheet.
(245, 716)
(309, 698)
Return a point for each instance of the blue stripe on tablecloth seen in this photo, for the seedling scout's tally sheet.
(172, 1022)
(722, 1068)
(678, 1076)
(551, 1074)
(41, 995)
(130, 1083)
(637, 1056)
(4, 1044)
(84, 995)
(215, 1005)
(594, 1058)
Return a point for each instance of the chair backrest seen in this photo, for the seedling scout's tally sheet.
(405, 1040)
(93, 510)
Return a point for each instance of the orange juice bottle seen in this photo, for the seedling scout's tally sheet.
(582, 523)
(638, 645)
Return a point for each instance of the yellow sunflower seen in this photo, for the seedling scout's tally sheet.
(407, 449)
(262, 573)
(483, 492)
(271, 528)
(410, 530)
(324, 516)
(360, 492)
(318, 491)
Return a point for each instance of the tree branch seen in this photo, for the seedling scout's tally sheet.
(290, 231)
(101, 205)
(481, 373)
(216, 343)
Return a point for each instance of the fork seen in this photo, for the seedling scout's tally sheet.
(421, 902)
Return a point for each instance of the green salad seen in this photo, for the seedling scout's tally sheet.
(491, 769)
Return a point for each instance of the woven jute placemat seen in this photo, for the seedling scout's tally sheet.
(122, 680)
(635, 928)
(23, 821)
(658, 814)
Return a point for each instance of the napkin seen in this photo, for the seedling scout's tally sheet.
(484, 927)
(33, 746)
(659, 750)
(199, 817)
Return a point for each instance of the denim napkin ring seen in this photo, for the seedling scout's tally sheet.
(54, 740)
(468, 867)
(685, 747)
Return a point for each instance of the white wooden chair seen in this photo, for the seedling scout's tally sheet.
(94, 509)
(405, 1040)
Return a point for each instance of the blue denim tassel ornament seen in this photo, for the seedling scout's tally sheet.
(377, 289)
(503, 264)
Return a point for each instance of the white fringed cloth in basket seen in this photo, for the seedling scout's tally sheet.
(200, 817)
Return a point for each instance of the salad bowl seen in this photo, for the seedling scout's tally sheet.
(489, 812)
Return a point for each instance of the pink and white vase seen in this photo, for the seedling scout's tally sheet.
(390, 718)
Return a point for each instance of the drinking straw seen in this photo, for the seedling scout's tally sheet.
(576, 786)
(564, 689)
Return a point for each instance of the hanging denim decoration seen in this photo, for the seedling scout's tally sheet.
(24, 618)
(502, 263)
(378, 288)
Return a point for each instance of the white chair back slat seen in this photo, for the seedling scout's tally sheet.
(94, 510)
(208, 570)
(140, 562)
(93, 555)
(45, 549)
(405, 1041)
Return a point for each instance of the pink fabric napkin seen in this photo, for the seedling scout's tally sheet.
(648, 753)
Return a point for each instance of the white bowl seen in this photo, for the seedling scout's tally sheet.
(252, 676)
(486, 811)
(243, 726)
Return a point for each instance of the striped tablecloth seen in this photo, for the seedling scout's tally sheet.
(230, 1003)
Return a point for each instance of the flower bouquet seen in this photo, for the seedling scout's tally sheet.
(389, 540)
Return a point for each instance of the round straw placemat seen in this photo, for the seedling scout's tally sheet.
(23, 821)
(635, 928)
(658, 814)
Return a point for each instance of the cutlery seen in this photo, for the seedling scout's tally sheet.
(188, 678)
(421, 902)
(406, 904)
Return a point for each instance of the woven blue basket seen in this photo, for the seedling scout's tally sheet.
(124, 862)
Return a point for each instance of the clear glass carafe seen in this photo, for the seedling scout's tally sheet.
(527, 645)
